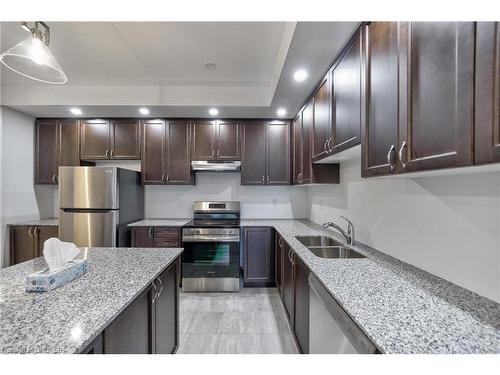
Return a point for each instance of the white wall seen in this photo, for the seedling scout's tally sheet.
(256, 201)
(449, 226)
(20, 199)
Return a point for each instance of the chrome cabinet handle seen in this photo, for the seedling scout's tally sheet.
(389, 157)
(111, 153)
(29, 231)
(263, 179)
(54, 178)
(156, 294)
(218, 153)
(168, 177)
(324, 146)
(161, 287)
(268, 179)
(150, 232)
(401, 154)
(107, 153)
(36, 231)
(163, 177)
(213, 153)
(330, 142)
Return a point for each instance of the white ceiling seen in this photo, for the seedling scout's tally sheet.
(113, 67)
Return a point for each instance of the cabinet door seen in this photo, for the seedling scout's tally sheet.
(228, 140)
(288, 287)
(125, 140)
(142, 237)
(322, 124)
(297, 149)
(95, 140)
(436, 123)
(487, 90)
(307, 124)
(179, 161)
(153, 152)
(278, 271)
(95, 347)
(46, 155)
(204, 140)
(346, 98)
(253, 153)
(258, 256)
(381, 88)
(167, 312)
(22, 244)
(132, 331)
(278, 153)
(301, 316)
(42, 234)
(69, 143)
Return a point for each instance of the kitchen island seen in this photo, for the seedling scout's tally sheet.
(92, 313)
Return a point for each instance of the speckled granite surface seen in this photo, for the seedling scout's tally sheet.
(401, 308)
(67, 319)
(160, 223)
(40, 222)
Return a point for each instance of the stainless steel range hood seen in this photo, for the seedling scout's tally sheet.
(215, 166)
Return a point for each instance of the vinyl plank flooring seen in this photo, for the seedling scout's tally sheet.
(250, 322)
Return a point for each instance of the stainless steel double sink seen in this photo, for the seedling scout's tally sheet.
(327, 247)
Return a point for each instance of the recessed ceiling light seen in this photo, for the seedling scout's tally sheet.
(75, 111)
(213, 111)
(281, 112)
(144, 111)
(210, 65)
(300, 75)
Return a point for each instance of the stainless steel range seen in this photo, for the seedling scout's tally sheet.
(211, 241)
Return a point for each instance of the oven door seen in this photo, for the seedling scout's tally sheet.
(210, 266)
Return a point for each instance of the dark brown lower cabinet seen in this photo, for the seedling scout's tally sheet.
(167, 312)
(156, 237)
(301, 302)
(278, 274)
(287, 290)
(258, 256)
(131, 332)
(26, 242)
(150, 324)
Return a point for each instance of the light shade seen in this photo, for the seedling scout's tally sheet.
(33, 59)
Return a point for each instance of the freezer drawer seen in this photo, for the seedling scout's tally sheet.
(97, 228)
(88, 187)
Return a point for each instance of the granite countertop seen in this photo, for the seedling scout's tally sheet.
(401, 308)
(160, 223)
(67, 319)
(39, 222)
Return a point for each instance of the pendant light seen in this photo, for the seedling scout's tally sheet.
(32, 57)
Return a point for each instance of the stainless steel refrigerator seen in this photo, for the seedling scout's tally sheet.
(97, 203)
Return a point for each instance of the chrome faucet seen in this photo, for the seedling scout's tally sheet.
(349, 235)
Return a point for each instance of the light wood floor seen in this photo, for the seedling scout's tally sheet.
(249, 322)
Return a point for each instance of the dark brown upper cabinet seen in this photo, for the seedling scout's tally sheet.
(346, 98)
(115, 139)
(265, 153)
(436, 102)
(322, 120)
(380, 96)
(56, 144)
(487, 93)
(304, 171)
(166, 151)
(216, 140)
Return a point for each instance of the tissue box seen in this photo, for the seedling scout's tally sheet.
(46, 280)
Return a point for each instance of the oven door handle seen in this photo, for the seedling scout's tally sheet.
(200, 238)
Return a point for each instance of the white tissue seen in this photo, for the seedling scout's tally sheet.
(57, 253)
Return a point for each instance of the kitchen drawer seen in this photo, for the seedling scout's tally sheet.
(167, 232)
(165, 242)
